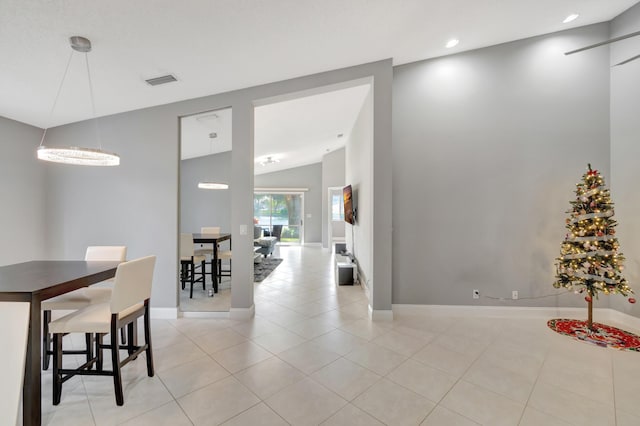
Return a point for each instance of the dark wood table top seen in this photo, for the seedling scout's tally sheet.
(46, 278)
(211, 238)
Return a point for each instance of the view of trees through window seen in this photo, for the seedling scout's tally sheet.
(284, 210)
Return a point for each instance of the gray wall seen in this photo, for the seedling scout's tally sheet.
(359, 174)
(625, 149)
(487, 147)
(205, 207)
(301, 177)
(22, 215)
(332, 175)
(137, 203)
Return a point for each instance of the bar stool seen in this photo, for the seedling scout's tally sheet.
(189, 262)
(80, 298)
(129, 301)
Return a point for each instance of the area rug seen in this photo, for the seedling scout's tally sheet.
(263, 269)
(602, 334)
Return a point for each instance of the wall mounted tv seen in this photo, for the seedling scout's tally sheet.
(349, 208)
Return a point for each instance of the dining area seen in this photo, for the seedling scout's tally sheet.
(103, 298)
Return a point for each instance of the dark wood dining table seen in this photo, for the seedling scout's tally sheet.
(213, 239)
(34, 282)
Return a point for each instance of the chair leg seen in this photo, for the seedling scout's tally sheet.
(57, 365)
(115, 360)
(147, 340)
(88, 339)
(204, 271)
(193, 270)
(219, 270)
(123, 336)
(99, 357)
(46, 339)
(132, 329)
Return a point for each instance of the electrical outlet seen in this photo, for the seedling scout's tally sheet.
(514, 295)
(476, 294)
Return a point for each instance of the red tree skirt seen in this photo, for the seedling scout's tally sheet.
(601, 334)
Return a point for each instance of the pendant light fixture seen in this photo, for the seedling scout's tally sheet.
(212, 136)
(77, 155)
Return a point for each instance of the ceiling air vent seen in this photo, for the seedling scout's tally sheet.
(161, 80)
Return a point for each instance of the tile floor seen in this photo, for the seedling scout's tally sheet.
(311, 356)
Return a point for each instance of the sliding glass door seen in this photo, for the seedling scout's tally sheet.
(280, 215)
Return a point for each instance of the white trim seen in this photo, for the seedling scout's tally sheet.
(280, 190)
(380, 314)
(242, 313)
(312, 244)
(207, 314)
(164, 313)
(600, 314)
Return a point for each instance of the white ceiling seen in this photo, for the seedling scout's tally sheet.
(295, 132)
(213, 46)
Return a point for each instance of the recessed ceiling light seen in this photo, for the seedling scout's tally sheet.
(570, 18)
(452, 43)
(212, 185)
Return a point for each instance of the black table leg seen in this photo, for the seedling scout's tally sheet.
(214, 267)
(32, 392)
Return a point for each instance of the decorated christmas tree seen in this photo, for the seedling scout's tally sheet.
(589, 261)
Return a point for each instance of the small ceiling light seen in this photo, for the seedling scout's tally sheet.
(452, 43)
(213, 135)
(570, 18)
(212, 185)
(340, 135)
(269, 160)
(77, 155)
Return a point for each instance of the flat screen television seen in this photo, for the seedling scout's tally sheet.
(349, 213)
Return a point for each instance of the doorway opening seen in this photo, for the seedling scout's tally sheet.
(280, 214)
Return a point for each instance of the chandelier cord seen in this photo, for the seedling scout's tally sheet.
(93, 102)
(55, 101)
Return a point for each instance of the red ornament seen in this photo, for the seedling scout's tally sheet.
(632, 300)
(592, 173)
(588, 298)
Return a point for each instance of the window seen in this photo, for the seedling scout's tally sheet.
(337, 210)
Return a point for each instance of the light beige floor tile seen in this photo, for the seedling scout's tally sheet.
(393, 404)
(74, 409)
(259, 414)
(218, 340)
(278, 341)
(140, 396)
(351, 415)
(167, 415)
(194, 327)
(376, 358)
(441, 416)
(461, 344)
(256, 327)
(217, 402)
(444, 359)
(311, 328)
(500, 380)
(191, 376)
(427, 381)
(626, 419)
(172, 356)
(571, 407)
(573, 378)
(268, 377)
(305, 403)
(365, 328)
(533, 417)
(339, 341)
(401, 343)
(627, 387)
(346, 378)
(241, 356)
(514, 359)
(308, 357)
(482, 405)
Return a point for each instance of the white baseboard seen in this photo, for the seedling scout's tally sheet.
(242, 313)
(599, 314)
(204, 314)
(380, 314)
(164, 313)
(312, 244)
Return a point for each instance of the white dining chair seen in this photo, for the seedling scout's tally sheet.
(207, 249)
(80, 298)
(128, 302)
